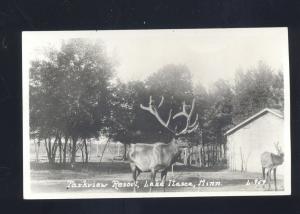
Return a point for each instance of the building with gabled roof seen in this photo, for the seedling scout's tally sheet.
(249, 139)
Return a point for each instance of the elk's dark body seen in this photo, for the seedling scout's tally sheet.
(159, 156)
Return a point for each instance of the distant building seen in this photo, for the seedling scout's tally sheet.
(249, 139)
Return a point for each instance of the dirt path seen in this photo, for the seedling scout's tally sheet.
(51, 181)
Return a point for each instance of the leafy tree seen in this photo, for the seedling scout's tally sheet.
(174, 83)
(131, 123)
(126, 112)
(203, 102)
(219, 116)
(171, 80)
(258, 88)
(44, 118)
(70, 93)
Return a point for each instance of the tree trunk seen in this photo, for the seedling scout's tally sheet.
(125, 152)
(82, 154)
(50, 150)
(208, 155)
(224, 150)
(190, 156)
(53, 154)
(214, 155)
(65, 150)
(203, 156)
(107, 142)
(86, 151)
(60, 150)
(98, 150)
(73, 151)
(54, 148)
(199, 155)
(36, 149)
(47, 149)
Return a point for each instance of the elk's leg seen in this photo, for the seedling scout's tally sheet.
(134, 180)
(153, 175)
(267, 179)
(263, 172)
(163, 178)
(134, 174)
(274, 172)
(138, 172)
(264, 177)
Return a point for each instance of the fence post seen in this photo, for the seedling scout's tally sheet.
(191, 155)
(185, 156)
(199, 155)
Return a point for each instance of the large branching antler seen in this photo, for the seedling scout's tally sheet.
(153, 110)
(189, 128)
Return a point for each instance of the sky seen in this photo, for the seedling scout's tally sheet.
(210, 54)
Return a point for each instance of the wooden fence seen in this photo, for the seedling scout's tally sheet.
(208, 155)
(204, 156)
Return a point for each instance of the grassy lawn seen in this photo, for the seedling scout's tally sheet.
(55, 179)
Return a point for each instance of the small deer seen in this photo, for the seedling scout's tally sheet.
(159, 156)
(271, 161)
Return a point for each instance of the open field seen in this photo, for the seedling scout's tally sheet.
(116, 177)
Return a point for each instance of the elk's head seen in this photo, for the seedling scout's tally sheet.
(189, 126)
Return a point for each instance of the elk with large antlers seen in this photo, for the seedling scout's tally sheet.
(159, 157)
(271, 161)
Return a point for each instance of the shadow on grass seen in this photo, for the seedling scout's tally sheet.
(183, 168)
(107, 167)
(111, 167)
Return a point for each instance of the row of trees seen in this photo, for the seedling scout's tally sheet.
(74, 96)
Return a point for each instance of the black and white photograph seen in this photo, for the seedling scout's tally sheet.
(156, 113)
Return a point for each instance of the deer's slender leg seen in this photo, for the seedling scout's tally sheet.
(274, 172)
(269, 178)
(263, 172)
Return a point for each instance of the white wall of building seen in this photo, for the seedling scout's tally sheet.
(245, 145)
